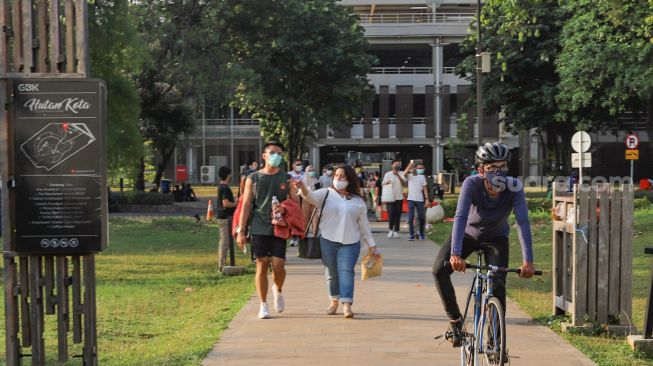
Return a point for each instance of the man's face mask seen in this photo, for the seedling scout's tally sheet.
(274, 159)
(497, 180)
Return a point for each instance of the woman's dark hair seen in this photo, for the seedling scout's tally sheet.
(353, 188)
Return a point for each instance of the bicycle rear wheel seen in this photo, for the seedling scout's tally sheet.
(491, 335)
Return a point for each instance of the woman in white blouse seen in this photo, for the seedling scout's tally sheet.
(343, 226)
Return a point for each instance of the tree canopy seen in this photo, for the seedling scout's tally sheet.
(306, 64)
(116, 54)
(606, 63)
(188, 61)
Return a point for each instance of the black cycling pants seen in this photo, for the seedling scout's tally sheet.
(495, 252)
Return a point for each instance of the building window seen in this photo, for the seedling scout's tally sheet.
(419, 105)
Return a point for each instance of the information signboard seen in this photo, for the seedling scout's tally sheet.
(59, 166)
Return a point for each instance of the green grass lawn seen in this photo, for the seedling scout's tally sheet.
(534, 296)
(160, 298)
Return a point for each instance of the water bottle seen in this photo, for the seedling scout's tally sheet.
(276, 217)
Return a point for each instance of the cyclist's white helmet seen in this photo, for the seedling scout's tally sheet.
(492, 152)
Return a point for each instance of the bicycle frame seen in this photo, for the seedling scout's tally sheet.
(481, 290)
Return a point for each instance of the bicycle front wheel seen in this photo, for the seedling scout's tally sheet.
(491, 335)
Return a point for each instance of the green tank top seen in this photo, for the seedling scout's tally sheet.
(267, 186)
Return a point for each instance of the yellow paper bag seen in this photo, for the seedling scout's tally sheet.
(371, 266)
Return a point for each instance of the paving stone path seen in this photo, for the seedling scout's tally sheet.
(397, 317)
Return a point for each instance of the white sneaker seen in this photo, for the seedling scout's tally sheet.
(395, 234)
(279, 301)
(263, 312)
(390, 234)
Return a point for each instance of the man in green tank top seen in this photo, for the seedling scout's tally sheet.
(260, 189)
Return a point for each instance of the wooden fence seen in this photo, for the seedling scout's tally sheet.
(592, 254)
(43, 39)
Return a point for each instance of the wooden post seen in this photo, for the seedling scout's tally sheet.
(626, 283)
(592, 256)
(615, 252)
(580, 258)
(90, 333)
(62, 307)
(36, 292)
(603, 258)
(12, 350)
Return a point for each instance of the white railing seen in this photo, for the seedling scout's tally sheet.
(409, 70)
(402, 70)
(416, 18)
(227, 122)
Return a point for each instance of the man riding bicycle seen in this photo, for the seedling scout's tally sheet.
(481, 223)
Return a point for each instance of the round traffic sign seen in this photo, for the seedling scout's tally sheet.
(581, 141)
(632, 141)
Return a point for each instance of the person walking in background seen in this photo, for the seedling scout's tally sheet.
(261, 188)
(325, 180)
(246, 172)
(378, 190)
(417, 193)
(393, 196)
(371, 187)
(297, 173)
(343, 226)
(224, 214)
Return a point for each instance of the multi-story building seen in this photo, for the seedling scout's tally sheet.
(419, 100)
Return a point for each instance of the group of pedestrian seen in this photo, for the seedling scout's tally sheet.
(343, 225)
(480, 222)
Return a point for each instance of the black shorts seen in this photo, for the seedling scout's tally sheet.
(268, 246)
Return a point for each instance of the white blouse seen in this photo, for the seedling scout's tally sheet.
(343, 220)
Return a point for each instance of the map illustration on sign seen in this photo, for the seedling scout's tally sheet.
(56, 143)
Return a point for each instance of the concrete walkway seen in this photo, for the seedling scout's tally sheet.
(397, 317)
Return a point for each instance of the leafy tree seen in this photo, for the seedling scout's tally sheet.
(523, 37)
(116, 54)
(458, 152)
(606, 63)
(306, 65)
(188, 62)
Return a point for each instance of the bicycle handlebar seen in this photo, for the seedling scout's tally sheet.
(493, 268)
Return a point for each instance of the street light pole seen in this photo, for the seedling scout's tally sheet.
(479, 73)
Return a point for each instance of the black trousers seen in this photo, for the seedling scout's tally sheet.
(495, 252)
(394, 214)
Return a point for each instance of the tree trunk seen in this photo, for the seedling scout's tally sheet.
(140, 176)
(649, 125)
(166, 154)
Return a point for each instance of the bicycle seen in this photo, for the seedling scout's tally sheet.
(487, 341)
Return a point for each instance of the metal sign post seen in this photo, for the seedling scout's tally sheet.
(581, 142)
(632, 154)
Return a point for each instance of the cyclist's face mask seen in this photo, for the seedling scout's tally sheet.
(496, 177)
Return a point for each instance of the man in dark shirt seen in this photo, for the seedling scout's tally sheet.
(226, 206)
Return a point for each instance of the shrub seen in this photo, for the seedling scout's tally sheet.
(538, 204)
(641, 203)
(646, 194)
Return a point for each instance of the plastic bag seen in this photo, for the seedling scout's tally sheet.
(434, 213)
(371, 266)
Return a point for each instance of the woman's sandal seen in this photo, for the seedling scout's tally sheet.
(347, 311)
(331, 310)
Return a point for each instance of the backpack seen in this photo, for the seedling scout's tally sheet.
(239, 207)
